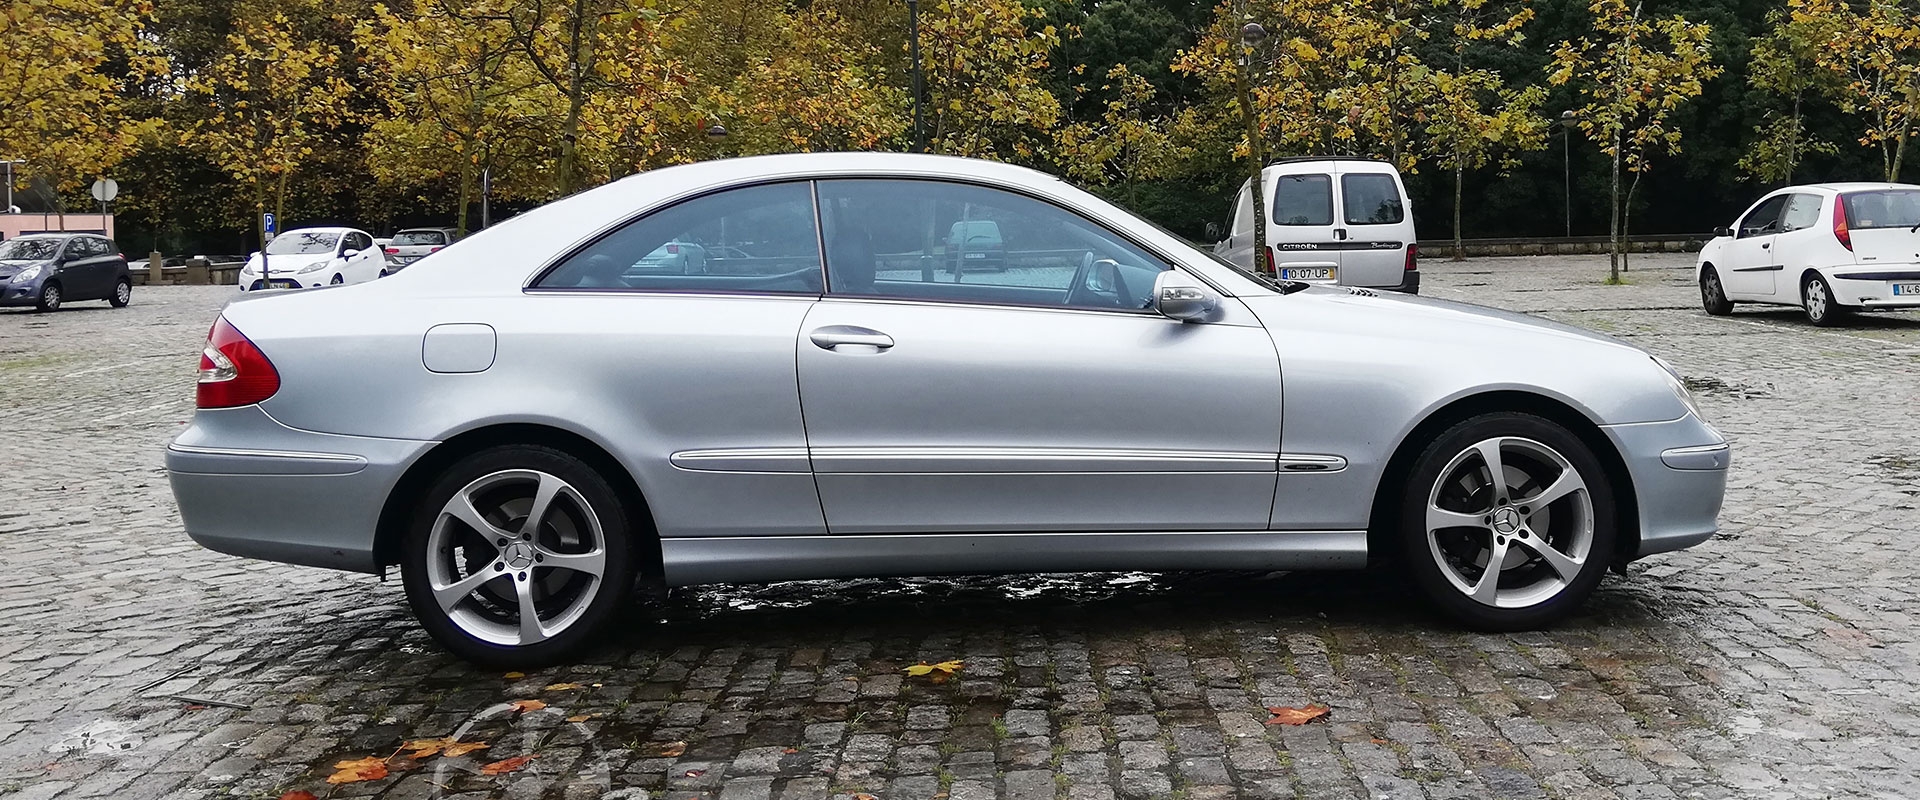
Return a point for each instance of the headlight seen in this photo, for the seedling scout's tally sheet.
(1678, 383)
(313, 267)
(27, 274)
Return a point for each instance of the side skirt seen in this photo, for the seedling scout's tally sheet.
(760, 559)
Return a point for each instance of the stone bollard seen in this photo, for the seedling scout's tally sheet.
(198, 272)
(156, 266)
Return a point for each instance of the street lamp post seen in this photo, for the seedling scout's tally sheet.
(1251, 35)
(1568, 119)
(919, 78)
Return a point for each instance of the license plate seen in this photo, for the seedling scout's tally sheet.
(1308, 273)
(976, 255)
(1906, 289)
(283, 284)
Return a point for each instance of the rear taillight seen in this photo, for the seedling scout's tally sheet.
(435, 248)
(673, 249)
(1840, 231)
(393, 251)
(232, 371)
(1273, 266)
(1413, 257)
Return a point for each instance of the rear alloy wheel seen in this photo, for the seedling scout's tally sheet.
(517, 556)
(1508, 523)
(1823, 309)
(122, 294)
(49, 297)
(1713, 296)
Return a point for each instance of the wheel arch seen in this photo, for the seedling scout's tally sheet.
(391, 528)
(1381, 522)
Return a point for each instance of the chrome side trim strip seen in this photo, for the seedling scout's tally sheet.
(292, 454)
(1032, 459)
(192, 460)
(1703, 457)
(743, 459)
(752, 559)
(1311, 462)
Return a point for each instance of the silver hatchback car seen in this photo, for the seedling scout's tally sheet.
(529, 425)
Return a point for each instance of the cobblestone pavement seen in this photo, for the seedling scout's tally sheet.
(1775, 661)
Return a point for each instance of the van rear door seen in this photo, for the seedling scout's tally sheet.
(1376, 229)
(1302, 225)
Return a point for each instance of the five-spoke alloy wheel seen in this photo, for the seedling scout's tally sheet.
(517, 555)
(1508, 522)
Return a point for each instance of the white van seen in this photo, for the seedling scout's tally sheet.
(1343, 221)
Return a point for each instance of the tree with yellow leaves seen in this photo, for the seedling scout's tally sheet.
(1632, 74)
(1124, 146)
(984, 64)
(274, 95)
(1785, 62)
(1473, 117)
(1872, 56)
(60, 79)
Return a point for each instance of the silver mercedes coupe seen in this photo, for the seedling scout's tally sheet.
(834, 379)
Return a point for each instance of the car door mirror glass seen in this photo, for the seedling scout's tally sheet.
(1723, 231)
(1179, 296)
(349, 253)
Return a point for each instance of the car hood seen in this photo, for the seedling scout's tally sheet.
(9, 268)
(1414, 315)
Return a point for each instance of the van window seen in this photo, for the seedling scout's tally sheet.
(1371, 199)
(1303, 200)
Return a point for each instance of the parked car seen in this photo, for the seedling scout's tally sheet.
(590, 426)
(672, 258)
(975, 244)
(1345, 221)
(314, 257)
(413, 244)
(48, 270)
(1832, 249)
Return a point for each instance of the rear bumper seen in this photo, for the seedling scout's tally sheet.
(1409, 284)
(248, 486)
(1873, 289)
(1679, 472)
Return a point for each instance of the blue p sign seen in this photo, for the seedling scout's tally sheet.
(267, 223)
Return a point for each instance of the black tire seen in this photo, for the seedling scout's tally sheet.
(1817, 300)
(122, 294)
(1713, 294)
(1541, 593)
(50, 296)
(338, 279)
(491, 606)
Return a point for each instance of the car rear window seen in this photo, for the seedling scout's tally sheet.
(1371, 199)
(419, 237)
(1303, 200)
(1889, 208)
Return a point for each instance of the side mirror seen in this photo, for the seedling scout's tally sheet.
(1213, 232)
(1179, 296)
(349, 253)
(1723, 231)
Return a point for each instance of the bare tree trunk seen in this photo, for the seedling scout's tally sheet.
(1793, 142)
(1256, 154)
(466, 193)
(280, 197)
(1626, 220)
(1613, 208)
(1459, 177)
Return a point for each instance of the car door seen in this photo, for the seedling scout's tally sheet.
(1042, 398)
(1748, 271)
(1302, 228)
(702, 364)
(1376, 230)
(1800, 243)
(361, 266)
(84, 270)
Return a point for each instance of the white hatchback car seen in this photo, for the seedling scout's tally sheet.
(1831, 249)
(314, 257)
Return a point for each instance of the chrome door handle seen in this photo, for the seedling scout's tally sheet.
(833, 336)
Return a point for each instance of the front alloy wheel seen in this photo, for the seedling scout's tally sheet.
(518, 555)
(49, 297)
(1713, 296)
(1508, 523)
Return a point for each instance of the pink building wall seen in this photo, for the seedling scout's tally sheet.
(12, 225)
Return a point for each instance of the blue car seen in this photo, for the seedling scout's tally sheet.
(45, 270)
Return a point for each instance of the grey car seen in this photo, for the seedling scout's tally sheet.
(528, 428)
(48, 270)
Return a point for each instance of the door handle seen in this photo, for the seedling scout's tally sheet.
(1340, 233)
(1766, 245)
(833, 336)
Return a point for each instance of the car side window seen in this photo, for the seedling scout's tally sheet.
(758, 239)
(1764, 219)
(932, 240)
(1303, 200)
(1802, 211)
(1371, 199)
(1242, 215)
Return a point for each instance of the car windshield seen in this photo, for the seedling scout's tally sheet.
(418, 237)
(1892, 208)
(298, 243)
(28, 249)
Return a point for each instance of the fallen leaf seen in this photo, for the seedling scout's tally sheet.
(581, 717)
(371, 768)
(937, 673)
(299, 794)
(861, 796)
(598, 685)
(1285, 715)
(524, 706)
(695, 773)
(505, 766)
(196, 708)
(561, 687)
(514, 676)
(422, 748)
(790, 751)
(462, 748)
(671, 749)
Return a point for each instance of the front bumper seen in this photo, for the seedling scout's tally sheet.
(1679, 472)
(20, 294)
(249, 486)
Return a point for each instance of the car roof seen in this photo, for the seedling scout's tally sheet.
(1852, 186)
(322, 229)
(418, 230)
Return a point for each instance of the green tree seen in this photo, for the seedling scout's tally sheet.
(1125, 146)
(1473, 116)
(1784, 62)
(1873, 59)
(1632, 73)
